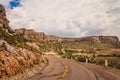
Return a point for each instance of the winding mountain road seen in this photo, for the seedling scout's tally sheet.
(64, 69)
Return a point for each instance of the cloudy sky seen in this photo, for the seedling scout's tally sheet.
(68, 18)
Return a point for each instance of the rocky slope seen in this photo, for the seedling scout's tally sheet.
(15, 58)
(4, 23)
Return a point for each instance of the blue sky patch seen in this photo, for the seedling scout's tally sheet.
(14, 3)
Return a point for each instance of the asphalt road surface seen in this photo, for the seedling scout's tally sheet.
(64, 69)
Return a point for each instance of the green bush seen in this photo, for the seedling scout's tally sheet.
(81, 59)
(61, 53)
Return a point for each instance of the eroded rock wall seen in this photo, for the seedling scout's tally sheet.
(17, 60)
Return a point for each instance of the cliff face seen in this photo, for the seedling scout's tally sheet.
(4, 23)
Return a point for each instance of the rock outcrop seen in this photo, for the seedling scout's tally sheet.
(30, 34)
(15, 60)
(4, 23)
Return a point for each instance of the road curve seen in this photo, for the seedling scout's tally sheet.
(64, 69)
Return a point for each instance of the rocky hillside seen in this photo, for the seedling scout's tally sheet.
(30, 34)
(4, 23)
(16, 60)
(15, 55)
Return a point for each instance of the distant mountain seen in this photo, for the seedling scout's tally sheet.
(30, 34)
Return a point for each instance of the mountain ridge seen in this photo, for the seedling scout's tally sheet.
(40, 36)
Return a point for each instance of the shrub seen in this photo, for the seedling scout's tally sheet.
(61, 53)
(81, 59)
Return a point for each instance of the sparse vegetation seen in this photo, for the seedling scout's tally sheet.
(61, 53)
(93, 49)
(18, 41)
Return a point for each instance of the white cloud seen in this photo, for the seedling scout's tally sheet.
(72, 18)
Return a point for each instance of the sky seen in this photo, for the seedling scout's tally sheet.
(66, 18)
